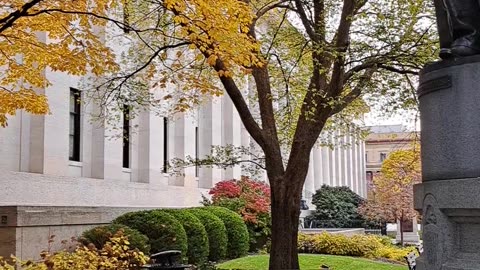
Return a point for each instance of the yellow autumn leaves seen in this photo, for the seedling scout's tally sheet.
(219, 29)
(69, 36)
(51, 35)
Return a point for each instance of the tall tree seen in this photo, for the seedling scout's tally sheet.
(303, 62)
(392, 198)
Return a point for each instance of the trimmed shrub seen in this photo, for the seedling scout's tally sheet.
(368, 246)
(164, 232)
(102, 234)
(237, 233)
(336, 207)
(217, 234)
(197, 238)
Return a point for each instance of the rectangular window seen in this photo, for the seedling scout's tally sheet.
(74, 130)
(369, 176)
(126, 136)
(196, 152)
(383, 156)
(165, 145)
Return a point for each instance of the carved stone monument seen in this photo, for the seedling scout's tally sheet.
(449, 94)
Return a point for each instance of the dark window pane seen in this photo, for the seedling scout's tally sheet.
(126, 136)
(74, 125)
(165, 144)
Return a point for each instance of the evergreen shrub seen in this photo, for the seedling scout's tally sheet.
(164, 232)
(237, 232)
(197, 238)
(217, 234)
(102, 234)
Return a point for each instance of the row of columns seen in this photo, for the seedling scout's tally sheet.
(344, 165)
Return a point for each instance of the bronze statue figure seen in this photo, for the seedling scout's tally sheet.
(459, 27)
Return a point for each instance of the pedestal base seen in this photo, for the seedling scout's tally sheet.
(450, 224)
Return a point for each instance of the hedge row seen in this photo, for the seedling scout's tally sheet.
(164, 232)
(201, 234)
(368, 246)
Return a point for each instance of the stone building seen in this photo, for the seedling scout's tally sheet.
(383, 140)
(62, 173)
(65, 172)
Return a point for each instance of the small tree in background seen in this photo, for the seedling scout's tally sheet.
(249, 198)
(336, 207)
(392, 198)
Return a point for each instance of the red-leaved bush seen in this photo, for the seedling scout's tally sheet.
(249, 198)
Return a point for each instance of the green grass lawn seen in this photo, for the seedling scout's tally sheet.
(312, 261)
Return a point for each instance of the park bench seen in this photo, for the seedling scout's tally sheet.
(166, 260)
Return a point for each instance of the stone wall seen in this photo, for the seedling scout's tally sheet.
(25, 231)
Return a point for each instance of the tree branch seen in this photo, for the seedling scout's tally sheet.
(241, 105)
(341, 44)
(280, 4)
(305, 21)
(8, 21)
(356, 92)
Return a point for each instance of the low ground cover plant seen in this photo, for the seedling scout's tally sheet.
(115, 254)
(367, 246)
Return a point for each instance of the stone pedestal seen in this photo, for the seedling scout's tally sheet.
(449, 197)
(410, 235)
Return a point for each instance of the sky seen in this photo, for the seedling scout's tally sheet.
(406, 118)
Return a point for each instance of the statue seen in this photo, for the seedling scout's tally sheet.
(458, 27)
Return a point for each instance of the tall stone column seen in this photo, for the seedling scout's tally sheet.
(230, 134)
(332, 157)
(355, 164)
(309, 185)
(317, 168)
(209, 133)
(362, 172)
(326, 160)
(448, 197)
(147, 148)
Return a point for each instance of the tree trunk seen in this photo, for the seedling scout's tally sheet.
(285, 217)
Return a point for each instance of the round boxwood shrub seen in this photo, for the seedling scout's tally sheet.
(216, 232)
(101, 234)
(197, 238)
(237, 232)
(164, 232)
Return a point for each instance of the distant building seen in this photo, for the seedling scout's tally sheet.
(383, 140)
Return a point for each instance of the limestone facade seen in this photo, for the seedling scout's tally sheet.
(36, 170)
